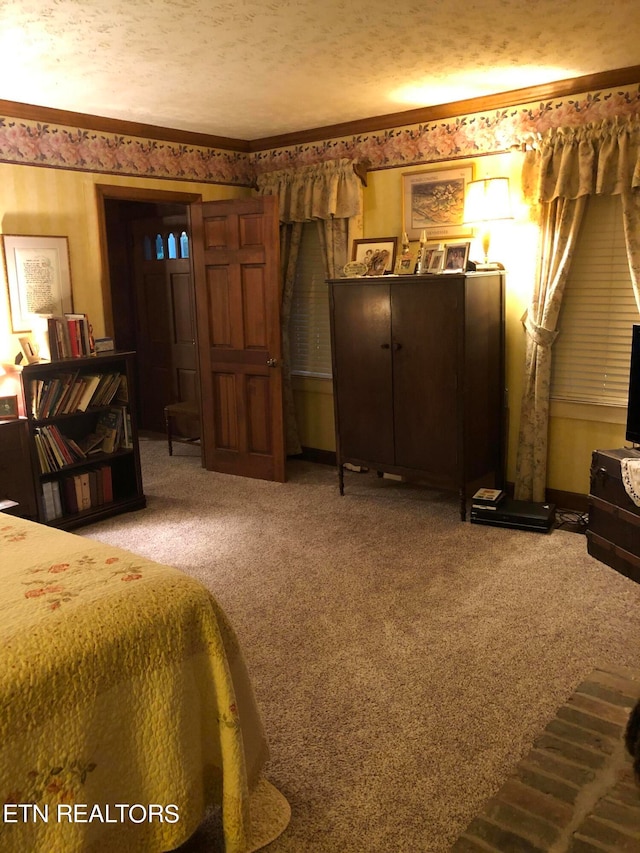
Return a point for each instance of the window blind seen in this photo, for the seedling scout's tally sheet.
(591, 354)
(310, 333)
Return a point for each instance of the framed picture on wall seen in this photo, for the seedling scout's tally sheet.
(433, 202)
(38, 277)
(377, 253)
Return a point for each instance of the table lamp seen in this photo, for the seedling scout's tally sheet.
(486, 201)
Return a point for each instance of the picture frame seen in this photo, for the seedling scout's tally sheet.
(38, 277)
(377, 253)
(433, 203)
(9, 408)
(437, 259)
(29, 348)
(426, 255)
(456, 256)
(405, 264)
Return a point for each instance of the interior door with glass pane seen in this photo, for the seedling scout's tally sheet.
(166, 320)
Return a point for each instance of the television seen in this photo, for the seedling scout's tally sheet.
(633, 407)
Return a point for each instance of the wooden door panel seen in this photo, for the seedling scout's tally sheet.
(236, 247)
(216, 232)
(254, 307)
(187, 384)
(361, 337)
(426, 336)
(251, 231)
(258, 407)
(226, 433)
(219, 307)
(181, 299)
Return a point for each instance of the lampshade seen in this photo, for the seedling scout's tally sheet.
(487, 200)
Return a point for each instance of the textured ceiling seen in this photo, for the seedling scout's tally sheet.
(255, 68)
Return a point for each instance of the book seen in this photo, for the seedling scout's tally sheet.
(70, 500)
(91, 383)
(487, 498)
(107, 483)
(47, 501)
(85, 490)
(110, 425)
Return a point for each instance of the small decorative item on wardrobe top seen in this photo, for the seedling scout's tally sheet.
(377, 253)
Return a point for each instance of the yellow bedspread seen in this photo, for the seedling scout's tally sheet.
(126, 708)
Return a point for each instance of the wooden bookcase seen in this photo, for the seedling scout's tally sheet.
(112, 481)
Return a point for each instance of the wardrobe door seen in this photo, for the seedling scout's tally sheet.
(425, 345)
(362, 370)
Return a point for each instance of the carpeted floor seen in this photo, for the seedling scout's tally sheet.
(404, 662)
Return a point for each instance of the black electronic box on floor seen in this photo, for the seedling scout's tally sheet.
(523, 515)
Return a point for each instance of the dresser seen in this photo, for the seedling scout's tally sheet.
(418, 376)
(16, 476)
(613, 534)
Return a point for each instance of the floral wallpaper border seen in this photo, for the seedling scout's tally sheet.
(56, 146)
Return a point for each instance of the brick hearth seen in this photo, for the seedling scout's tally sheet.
(575, 791)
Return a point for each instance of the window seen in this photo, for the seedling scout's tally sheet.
(592, 352)
(309, 328)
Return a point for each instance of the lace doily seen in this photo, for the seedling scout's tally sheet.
(630, 469)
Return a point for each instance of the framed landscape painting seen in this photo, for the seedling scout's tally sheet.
(433, 202)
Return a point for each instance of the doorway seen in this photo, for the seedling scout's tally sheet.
(149, 295)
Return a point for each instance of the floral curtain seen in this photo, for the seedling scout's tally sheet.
(319, 191)
(290, 236)
(334, 240)
(560, 225)
(565, 166)
(330, 193)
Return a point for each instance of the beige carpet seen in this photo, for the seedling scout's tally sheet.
(404, 661)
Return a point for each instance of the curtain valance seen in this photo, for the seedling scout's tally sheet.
(319, 191)
(598, 158)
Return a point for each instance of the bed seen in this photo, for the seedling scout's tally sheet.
(127, 710)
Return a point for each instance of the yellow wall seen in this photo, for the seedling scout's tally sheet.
(55, 202)
(575, 431)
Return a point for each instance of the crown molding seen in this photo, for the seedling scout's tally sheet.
(423, 115)
(49, 115)
(427, 115)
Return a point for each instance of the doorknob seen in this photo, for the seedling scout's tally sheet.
(272, 362)
(397, 346)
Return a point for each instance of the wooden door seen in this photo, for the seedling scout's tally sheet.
(237, 278)
(426, 339)
(362, 358)
(166, 320)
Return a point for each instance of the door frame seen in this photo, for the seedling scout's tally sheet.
(124, 193)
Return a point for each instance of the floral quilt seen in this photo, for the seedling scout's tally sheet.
(126, 708)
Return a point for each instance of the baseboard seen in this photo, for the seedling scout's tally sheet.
(568, 500)
(564, 500)
(314, 454)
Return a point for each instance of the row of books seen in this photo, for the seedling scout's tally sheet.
(55, 450)
(70, 336)
(68, 393)
(77, 493)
